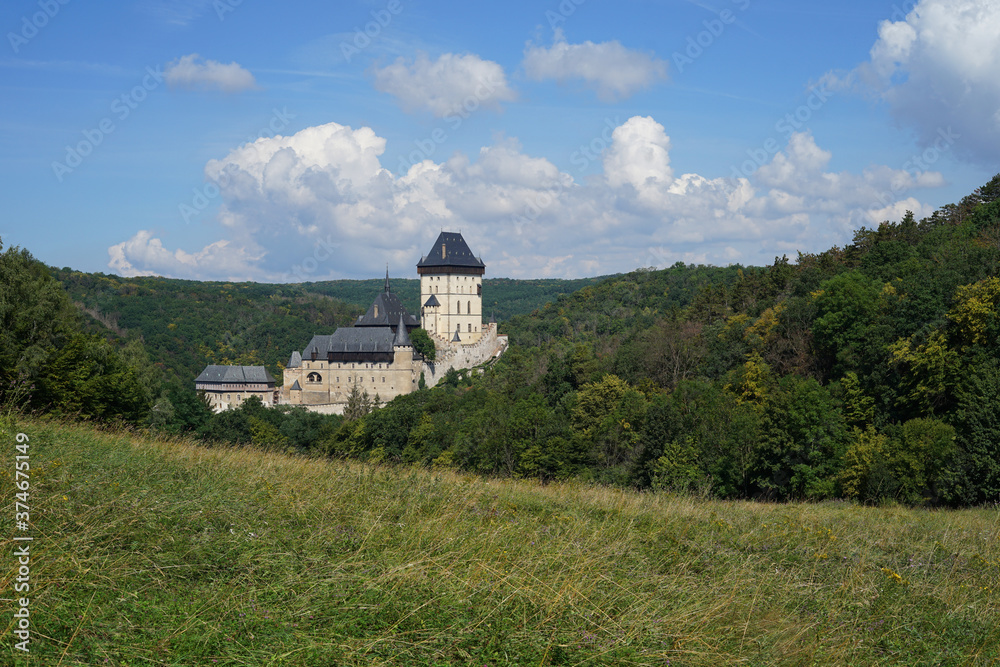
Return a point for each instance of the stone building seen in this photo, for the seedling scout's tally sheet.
(376, 354)
(228, 386)
(377, 359)
(451, 290)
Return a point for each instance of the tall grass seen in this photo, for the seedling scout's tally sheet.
(157, 552)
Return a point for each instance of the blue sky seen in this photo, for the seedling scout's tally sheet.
(242, 140)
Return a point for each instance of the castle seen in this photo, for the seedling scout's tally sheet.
(376, 354)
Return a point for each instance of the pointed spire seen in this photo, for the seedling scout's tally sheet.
(387, 277)
(456, 338)
(402, 338)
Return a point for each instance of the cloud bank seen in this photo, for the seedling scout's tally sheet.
(319, 204)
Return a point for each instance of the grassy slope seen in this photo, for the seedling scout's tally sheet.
(166, 553)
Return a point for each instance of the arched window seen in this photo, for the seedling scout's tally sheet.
(468, 307)
(314, 377)
(459, 307)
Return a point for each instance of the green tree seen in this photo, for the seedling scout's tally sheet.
(847, 307)
(422, 344)
(977, 423)
(678, 468)
(803, 441)
(359, 403)
(88, 377)
(929, 372)
(36, 317)
(913, 463)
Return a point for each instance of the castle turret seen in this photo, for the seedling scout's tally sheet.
(451, 289)
(402, 339)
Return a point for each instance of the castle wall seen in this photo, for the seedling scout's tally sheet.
(453, 355)
(325, 383)
(224, 397)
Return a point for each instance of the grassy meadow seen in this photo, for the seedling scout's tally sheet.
(152, 552)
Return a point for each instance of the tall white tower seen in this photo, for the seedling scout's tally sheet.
(451, 290)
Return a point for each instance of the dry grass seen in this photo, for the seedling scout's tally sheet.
(168, 553)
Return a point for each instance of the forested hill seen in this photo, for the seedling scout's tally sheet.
(502, 297)
(187, 324)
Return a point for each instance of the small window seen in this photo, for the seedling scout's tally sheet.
(470, 328)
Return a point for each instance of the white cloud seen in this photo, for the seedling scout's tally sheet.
(233, 261)
(608, 67)
(639, 156)
(191, 72)
(451, 84)
(937, 71)
(319, 204)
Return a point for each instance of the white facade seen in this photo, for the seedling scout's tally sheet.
(460, 299)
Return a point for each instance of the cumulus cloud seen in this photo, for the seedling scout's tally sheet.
(936, 68)
(608, 67)
(319, 204)
(235, 261)
(191, 71)
(447, 85)
(639, 156)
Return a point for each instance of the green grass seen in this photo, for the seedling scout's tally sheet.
(168, 553)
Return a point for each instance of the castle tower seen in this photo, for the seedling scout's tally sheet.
(451, 290)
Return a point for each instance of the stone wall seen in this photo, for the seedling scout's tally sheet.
(454, 355)
(386, 380)
(225, 399)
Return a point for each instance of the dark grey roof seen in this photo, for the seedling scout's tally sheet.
(351, 339)
(295, 361)
(296, 386)
(402, 338)
(234, 374)
(389, 309)
(433, 301)
(456, 338)
(450, 249)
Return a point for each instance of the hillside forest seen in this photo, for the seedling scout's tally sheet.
(869, 372)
